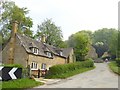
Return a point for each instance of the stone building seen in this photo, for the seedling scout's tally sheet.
(91, 53)
(23, 50)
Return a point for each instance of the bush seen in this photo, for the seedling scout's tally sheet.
(64, 68)
(118, 61)
(114, 67)
(12, 65)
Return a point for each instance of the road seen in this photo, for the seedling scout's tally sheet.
(100, 77)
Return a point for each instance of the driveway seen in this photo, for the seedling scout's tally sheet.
(100, 77)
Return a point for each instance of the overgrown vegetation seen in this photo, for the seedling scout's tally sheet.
(105, 40)
(114, 67)
(11, 12)
(13, 65)
(118, 61)
(67, 70)
(20, 83)
(80, 41)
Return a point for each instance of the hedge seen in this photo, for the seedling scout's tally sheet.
(118, 61)
(64, 68)
(114, 67)
(12, 65)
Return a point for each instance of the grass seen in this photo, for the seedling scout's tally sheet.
(20, 84)
(71, 73)
(113, 66)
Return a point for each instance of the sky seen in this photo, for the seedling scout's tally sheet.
(73, 15)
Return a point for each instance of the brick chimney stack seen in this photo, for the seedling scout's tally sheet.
(43, 38)
(14, 28)
(12, 42)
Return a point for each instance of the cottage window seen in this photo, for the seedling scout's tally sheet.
(49, 54)
(35, 50)
(43, 66)
(34, 65)
(61, 53)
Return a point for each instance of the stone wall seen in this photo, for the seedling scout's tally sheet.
(91, 53)
(20, 55)
(5, 54)
(71, 57)
(49, 62)
(43, 60)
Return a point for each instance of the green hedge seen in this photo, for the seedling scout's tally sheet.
(118, 61)
(12, 65)
(64, 68)
(114, 67)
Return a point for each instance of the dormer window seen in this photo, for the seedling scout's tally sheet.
(35, 50)
(49, 54)
(61, 53)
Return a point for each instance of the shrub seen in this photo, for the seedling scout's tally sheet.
(118, 61)
(12, 65)
(64, 68)
(114, 67)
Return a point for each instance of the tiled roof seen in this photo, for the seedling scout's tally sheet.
(27, 42)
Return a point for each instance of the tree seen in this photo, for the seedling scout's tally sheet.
(80, 41)
(90, 33)
(62, 44)
(10, 13)
(52, 33)
(118, 45)
(109, 39)
(113, 47)
(100, 48)
(1, 40)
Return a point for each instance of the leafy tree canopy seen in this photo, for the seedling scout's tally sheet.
(52, 33)
(10, 13)
(80, 41)
(109, 39)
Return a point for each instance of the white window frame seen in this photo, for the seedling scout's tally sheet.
(49, 54)
(61, 53)
(35, 50)
(43, 66)
(34, 66)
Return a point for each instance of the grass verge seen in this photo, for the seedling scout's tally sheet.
(71, 73)
(113, 66)
(19, 83)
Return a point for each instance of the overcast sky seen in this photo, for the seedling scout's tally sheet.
(73, 15)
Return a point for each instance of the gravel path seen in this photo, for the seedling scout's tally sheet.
(100, 77)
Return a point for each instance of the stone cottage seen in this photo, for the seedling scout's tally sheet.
(23, 50)
(91, 53)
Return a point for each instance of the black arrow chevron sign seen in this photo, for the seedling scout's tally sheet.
(8, 73)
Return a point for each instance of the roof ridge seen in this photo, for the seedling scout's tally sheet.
(28, 37)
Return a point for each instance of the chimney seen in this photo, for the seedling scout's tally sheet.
(12, 42)
(14, 28)
(43, 39)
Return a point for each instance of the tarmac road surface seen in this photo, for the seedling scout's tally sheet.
(100, 77)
